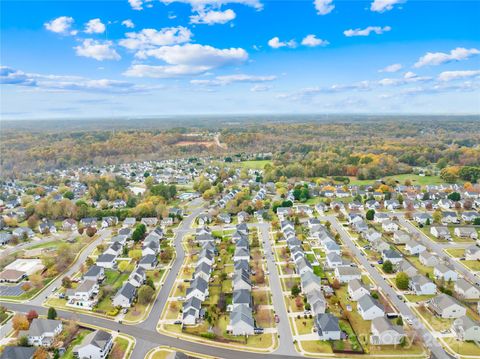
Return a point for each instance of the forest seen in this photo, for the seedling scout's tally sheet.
(300, 146)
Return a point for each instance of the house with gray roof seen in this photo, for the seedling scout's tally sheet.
(466, 329)
(421, 285)
(328, 327)
(16, 352)
(466, 290)
(198, 288)
(369, 308)
(96, 345)
(241, 321)
(385, 333)
(125, 296)
(42, 332)
(446, 306)
(356, 289)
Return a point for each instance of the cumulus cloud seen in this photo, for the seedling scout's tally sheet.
(98, 50)
(312, 41)
(275, 43)
(438, 58)
(228, 79)
(367, 31)
(61, 25)
(136, 4)
(188, 59)
(128, 24)
(198, 5)
(392, 68)
(213, 17)
(94, 26)
(408, 77)
(323, 7)
(384, 5)
(456, 75)
(149, 38)
(65, 83)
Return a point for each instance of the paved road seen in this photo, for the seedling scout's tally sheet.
(40, 298)
(404, 310)
(438, 250)
(286, 346)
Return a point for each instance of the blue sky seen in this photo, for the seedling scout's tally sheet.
(161, 57)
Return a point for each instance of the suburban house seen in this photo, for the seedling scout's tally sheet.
(472, 253)
(466, 329)
(414, 247)
(328, 327)
(148, 262)
(125, 296)
(406, 267)
(192, 309)
(428, 259)
(440, 232)
(107, 261)
(466, 232)
(389, 226)
(385, 333)
(356, 289)
(16, 352)
(470, 216)
(84, 295)
(369, 308)
(372, 235)
(198, 288)
(466, 290)
(241, 321)
(95, 273)
(96, 345)
(149, 221)
(69, 224)
(422, 218)
(47, 227)
(138, 277)
(346, 274)
(392, 255)
(42, 332)
(447, 273)
(421, 285)
(446, 306)
(401, 237)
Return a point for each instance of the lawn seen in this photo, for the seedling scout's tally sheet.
(472, 265)
(120, 345)
(464, 348)
(255, 165)
(416, 179)
(455, 252)
(418, 298)
(47, 244)
(316, 346)
(161, 354)
(434, 321)
(304, 326)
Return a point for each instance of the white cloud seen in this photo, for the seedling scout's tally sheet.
(136, 4)
(213, 17)
(312, 41)
(260, 88)
(276, 43)
(139, 70)
(148, 38)
(94, 26)
(456, 75)
(323, 7)
(188, 59)
(438, 58)
(392, 68)
(61, 25)
(128, 24)
(384, 5)
(408, 77)
(367, 31)
(97, 50)
(10, 76)
(198, 5)
(228, 79)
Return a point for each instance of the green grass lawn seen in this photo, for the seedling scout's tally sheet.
(316, 346)
(52, 244)
(255, 165)
(415, 179)
(122, 344)
(473, 265)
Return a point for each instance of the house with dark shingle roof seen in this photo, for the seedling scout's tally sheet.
(328, 327)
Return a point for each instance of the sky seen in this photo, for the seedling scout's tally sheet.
(133, 58)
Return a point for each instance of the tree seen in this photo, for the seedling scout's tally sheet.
(31, 315)
(476, 221)
(387, 267)
(135, 254)
(69, 195)
(145, 294)
(336, 284)
(139, 232)
(20, 322)
(52, 313)
(400, 320)
(401, 280)
(41, 353)
(66, 282)
(122, 266)
(370, 215)
(32, 221)
(90, 231)
(23, 341)
(454, 196)
(295, 290)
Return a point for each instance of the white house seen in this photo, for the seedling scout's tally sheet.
(446, 306)
(369, 308)
(466, 290)
(356, 289)
(42, 332)
(96, 345)
(385, 333)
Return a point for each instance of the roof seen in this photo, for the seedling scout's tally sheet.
(11, 274)
(465, 323)
(382, 324)
(98, 338)
(327, 322)
(106, 258)
(93, 271)
(14, 352)
(127, 290)
(40, 326)
(243, 314)
(443, 301)
(367, 302)
(356, 284)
